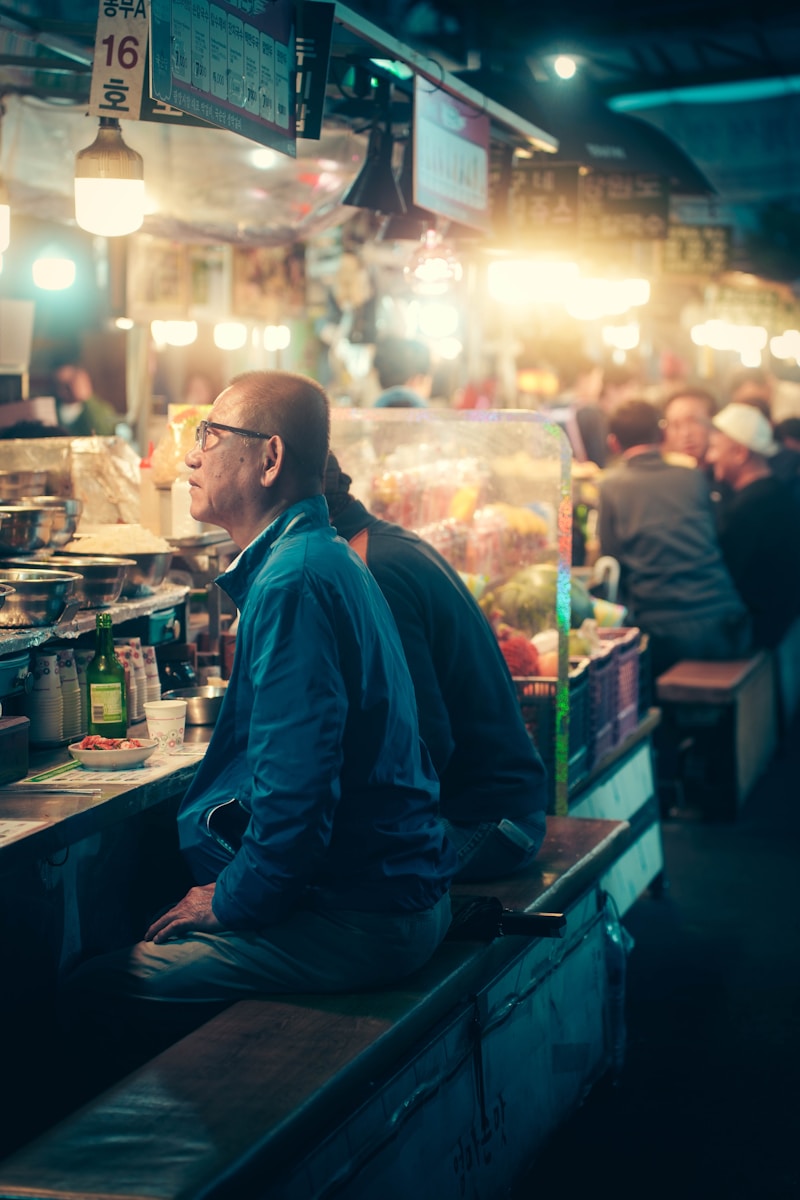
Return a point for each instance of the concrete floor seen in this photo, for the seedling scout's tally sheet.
(707, 1104)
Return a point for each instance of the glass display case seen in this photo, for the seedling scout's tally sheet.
(491, 490)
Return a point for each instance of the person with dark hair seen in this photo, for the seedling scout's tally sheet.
(579, 410)
(493, 792)
(687, 423)
(403, 367)
(758, 521)
(32, 429)
(656, 519)
(311, 828)
(80, 410)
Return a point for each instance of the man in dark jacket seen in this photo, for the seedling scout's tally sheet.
(493, 789)
(656, 519)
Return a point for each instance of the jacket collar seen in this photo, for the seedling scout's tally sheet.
(308, 514)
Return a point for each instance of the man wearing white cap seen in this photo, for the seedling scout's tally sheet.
(759, 521)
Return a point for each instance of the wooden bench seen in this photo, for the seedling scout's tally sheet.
(721, 718)
(459, 1072)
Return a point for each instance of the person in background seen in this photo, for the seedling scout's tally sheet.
(493, 792)
(80, 411)
(311, 827)
(758, 521)
(687, 426)
(403, 367)
(586, 421)
(656, 519)
(752, 385)
(32, 429)
(785, 464)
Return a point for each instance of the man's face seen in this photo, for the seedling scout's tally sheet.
(687, 427)
(228, 472)
(726, 456)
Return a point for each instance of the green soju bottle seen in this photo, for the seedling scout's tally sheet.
(105, 685)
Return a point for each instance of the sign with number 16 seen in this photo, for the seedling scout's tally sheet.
(119, 58)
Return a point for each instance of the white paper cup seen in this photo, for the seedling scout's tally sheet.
(166, 722)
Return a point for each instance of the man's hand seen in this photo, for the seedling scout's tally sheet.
(192, 912)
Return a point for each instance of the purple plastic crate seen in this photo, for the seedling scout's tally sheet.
(626, 647)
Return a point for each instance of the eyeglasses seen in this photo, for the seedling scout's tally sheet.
(201, 432)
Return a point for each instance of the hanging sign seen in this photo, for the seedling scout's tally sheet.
(543, 200)
(697, 249)
(229, 65)
(624, 206)
(451, 156)
(118, 68)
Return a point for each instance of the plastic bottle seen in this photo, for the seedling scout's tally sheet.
(105, 685)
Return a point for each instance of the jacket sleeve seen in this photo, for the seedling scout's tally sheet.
(294, 757)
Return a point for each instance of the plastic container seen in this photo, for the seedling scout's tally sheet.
(626, 645)
(537, 700)
(603, 701)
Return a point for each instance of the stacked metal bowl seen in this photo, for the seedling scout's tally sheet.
(65, 512)
(39, 597)
(101, 577)
(24, 528)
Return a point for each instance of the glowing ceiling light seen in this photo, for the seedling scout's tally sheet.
(621, 337)
(174, 333)
(436, 319)
(230, 335)
(277, 337)
(123, 323)
(786, 345)
(109, 184)
(565, 66)
(531, 281)
(433, 267)
(53, 272)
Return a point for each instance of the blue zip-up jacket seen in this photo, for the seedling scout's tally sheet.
(317, 738)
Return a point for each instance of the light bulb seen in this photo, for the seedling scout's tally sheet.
(433, 267)
(109, 184)
(53, 272)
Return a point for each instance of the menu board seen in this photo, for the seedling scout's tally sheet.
(229, 65)
(624, 206)
(543, 200)
(697, 249)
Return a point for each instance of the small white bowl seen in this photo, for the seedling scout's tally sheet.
(113, 760)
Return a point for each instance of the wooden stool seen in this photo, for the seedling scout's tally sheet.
(723, 714)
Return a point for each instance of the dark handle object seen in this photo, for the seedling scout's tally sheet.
(535, 924)
(483, 918)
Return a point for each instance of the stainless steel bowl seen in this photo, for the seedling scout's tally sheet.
(16, 484)
(66, 512)
(5, 590)
(23, 528)
(101, 576)
(39, 597)
(147, 573)
(202, 703)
